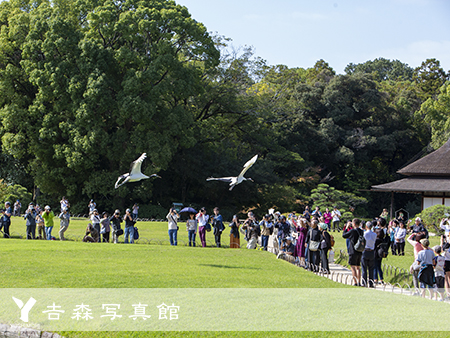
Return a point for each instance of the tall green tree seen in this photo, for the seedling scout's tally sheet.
(98, 82)
(436, 113)
(429, 76)
(382, 69)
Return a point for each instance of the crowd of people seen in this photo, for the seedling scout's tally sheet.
(40, 222)
(368, 243)
(300, 240)
(305, 239)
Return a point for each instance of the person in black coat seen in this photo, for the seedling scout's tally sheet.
(354, 257)
(312, 236)
(325, 246)
(377, 271)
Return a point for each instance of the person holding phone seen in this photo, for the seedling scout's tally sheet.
(172, 218)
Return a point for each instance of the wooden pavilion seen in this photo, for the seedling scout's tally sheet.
(428, 176)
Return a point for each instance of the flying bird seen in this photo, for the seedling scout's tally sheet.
(239, 179)
(135, 173)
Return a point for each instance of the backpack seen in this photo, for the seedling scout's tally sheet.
(361, 243)
(383, 250)
(332, 241)
(136, 233)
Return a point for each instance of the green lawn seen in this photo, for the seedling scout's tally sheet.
(74, 264)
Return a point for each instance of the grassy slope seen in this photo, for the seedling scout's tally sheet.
(74, 264)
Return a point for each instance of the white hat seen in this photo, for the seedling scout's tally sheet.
(47, 207)
(418, 219)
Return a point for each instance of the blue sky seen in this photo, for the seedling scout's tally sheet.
(297, 33)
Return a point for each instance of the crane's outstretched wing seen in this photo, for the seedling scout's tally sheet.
(118, 180)
(135, 168)
(223, 179)
(248, 165)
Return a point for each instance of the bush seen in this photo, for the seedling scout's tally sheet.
(17, 192)
(433, 215)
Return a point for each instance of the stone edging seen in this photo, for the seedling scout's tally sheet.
(15, 331)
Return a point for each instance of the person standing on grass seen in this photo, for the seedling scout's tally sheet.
(64, 203)
(354, 257)
(426, 273)
(105, 228)
(40, 225)
(6, 220)
(129, 227)
(172, 218)
(135, 209)
(300, 250)
(439, 274)
(393, 225)
(235, 242)
(336, 214)
(218, 226)
(327, 218)
(17, 207)
(95, 219)
(202, 219)
(266, 227)
(115, 221)
(252, 230)
(368, 256)
(325, 246)
(316, 213)
(191, 228)
(64, 218)
(92, 205)
(377, 270)
(399, 237)
(48, 216)
(414, 240)
(30, 216)
(284, 229)
(312, 242)
(445, 245)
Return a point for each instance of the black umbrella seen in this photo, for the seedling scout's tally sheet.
(188, 209)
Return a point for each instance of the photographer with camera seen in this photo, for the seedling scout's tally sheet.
(172, 218)
(418, 227)
(287, 250)
(30, 217)
(284, 229)
(6, 220)
(252, 231)
(445, 225)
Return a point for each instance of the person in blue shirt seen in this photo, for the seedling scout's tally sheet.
(6, 219)
(368, 256)
(217, 225)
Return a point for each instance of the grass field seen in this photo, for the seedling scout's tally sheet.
(73, 264)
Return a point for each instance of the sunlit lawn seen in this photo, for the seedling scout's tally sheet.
(153, 263)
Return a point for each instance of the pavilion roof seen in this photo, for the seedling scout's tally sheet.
(416, 185)
(436, 163)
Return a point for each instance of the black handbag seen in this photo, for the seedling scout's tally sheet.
(208, 227)
(118, 232)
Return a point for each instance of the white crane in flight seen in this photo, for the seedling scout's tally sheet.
(135, 173)
(239, 179)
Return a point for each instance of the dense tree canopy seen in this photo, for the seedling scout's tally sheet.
(87, 86)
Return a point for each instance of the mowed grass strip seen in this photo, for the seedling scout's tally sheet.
(47, 264)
